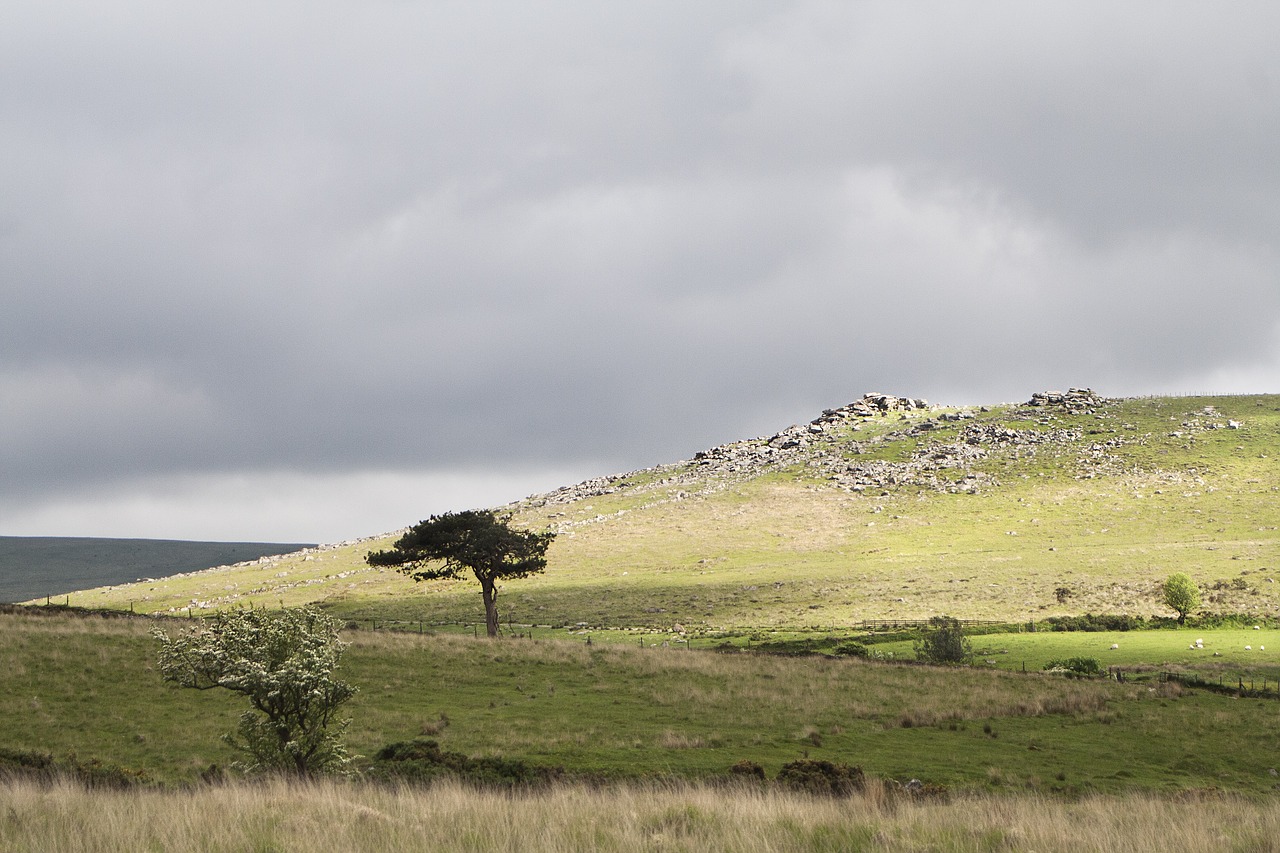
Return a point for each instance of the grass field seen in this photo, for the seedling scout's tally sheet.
(85, 686)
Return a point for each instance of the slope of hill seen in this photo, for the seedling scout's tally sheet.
(885, 508)
(38, 566)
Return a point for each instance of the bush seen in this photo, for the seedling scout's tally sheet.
(29, 765)
(1097, 622)
(852, 648)
(747, 770)
(943, 642)
(1075, 666)
(423, 761)
(823, 778)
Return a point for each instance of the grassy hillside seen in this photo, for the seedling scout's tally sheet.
(1005, 512)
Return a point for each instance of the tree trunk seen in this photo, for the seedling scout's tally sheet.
(489, 592)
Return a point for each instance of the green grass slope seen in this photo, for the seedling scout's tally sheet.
(1007, 512)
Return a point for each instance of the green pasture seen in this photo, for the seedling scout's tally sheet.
(85, 686)
(1226, 652)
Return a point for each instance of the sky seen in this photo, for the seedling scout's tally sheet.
(313, 271)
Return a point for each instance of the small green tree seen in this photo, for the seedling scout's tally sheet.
(1181, 594)
(283, 663)
(943, 641)
(477, 540)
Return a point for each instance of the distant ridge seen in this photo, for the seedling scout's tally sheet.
(34, 567)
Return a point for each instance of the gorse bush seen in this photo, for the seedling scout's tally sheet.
(812, 776)
(423, 761)
(31, 765)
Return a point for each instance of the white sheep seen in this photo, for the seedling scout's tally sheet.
(1115, 645)
(1248, 648)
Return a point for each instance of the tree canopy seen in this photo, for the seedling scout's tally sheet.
(1181, 594)
(480, 541)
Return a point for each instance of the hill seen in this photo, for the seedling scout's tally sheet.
(886, 508)
(37, 566)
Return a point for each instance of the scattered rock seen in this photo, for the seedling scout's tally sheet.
(1077, 401)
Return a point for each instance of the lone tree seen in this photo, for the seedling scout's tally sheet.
(1181, 594)
(943, 641)
(475, 540)
(283, 663)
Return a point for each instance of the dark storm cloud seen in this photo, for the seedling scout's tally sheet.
(327, 238)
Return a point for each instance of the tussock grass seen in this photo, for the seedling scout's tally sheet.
(448, 817)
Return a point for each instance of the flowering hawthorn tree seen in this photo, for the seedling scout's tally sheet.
(283, 663)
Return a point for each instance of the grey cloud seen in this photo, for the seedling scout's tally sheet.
(339, 237)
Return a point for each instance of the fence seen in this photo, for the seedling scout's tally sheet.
(1234, 686)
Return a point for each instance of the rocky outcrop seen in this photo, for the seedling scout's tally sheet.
(942, 457)
(1077, 401)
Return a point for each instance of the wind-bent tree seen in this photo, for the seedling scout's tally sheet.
(1181, 594)
(283, 663)
(475, 540)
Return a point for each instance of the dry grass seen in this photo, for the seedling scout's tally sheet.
(348, 817)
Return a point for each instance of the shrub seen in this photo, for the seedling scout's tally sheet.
(1075, 666)
(852, 648)
(747, 770)
(42, 767)
(423, 761)
(823, 778)
(943, 641)
(1097, 622)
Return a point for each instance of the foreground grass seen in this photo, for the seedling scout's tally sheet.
(346, 817)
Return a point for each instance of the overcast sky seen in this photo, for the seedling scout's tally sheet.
(308, 271)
